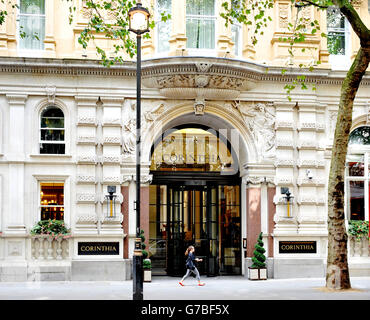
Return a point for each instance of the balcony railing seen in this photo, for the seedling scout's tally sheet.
(358, 248)
(45, 247)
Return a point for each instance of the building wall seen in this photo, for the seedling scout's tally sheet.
(278, 140)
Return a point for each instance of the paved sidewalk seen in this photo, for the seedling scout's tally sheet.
(167, 288)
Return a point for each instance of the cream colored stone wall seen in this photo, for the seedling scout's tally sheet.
(61, 37)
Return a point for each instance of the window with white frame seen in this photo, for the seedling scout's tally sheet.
(338, 30)
(200, 24)
(163, 27)
(52, 140)
(31, 24)
(358, 174)
(51, 200)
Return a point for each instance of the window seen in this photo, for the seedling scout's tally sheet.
(163, 28)
(338, 32)
(358, 174)
(31, 24)
(52, 131)
(200, 24)
(51, 201)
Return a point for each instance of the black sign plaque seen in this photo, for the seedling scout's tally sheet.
(297, 247)
(98, 248)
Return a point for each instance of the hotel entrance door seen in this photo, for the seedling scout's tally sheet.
(207, 216)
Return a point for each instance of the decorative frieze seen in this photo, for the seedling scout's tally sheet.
(284, 143)
(284, 125)
(111, 122)
(306, 182)
(311, 163)
(86, 197)
(86, 121)
(114, 140)
(310, 199)
(86, 219)
(82, 179)
(87, 159)
(111, 180)
(311, 126)
(90, 140)
(284, 180)
(284, 163)
(110, 159)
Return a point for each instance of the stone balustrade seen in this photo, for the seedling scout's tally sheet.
(358, 248)
(44, 247)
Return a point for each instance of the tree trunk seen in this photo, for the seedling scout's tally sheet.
(337, 273)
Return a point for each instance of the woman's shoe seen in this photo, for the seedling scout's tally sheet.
(181, 284)
(201, 284)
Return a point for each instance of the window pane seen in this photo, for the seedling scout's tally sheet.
(236, 36)
(52, 148)
(52, 122)
(52, 135)
(360, 136)
(52, 201)
(33, 29)
(357, 201)
(199, 7)
(32, 6)
(337, 43)
(200, 33)
(356, 168)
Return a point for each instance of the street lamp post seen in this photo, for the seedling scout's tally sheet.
(139, 24)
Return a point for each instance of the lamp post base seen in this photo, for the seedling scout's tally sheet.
(137, 277)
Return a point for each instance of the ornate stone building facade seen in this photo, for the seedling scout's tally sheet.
(221, 146)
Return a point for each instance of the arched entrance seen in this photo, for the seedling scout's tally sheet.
(195, 200)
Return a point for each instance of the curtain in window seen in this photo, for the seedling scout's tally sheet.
(163, 28)
(32, 24)
(200, 24)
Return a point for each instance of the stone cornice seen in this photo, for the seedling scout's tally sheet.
(211, 67)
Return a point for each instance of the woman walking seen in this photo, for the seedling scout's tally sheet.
(190, 266)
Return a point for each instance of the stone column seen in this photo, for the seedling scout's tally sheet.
(178, 37)
(49, 40)
(224, 43)
(15, 219)
(88, 174)
(253, 216)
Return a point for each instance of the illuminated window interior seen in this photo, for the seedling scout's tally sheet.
(52, 201)
(192, 149)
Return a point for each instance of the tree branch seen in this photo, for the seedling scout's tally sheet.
(356, 22)
(306, 3)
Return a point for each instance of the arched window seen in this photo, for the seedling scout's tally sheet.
(358, 174)
(52, 130)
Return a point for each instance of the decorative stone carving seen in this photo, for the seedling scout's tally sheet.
(86, 121)
(203, 66)
(260, 122)
(112, 140)
(86, 198)
(51, 91)
(199, 107)
(87, 159)
(129, 138)
(201, 81)
(86, 140)
(283, 15)
(85, 179)
(87, 219)
(111, 179)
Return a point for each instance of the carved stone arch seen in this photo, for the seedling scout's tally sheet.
(36, 118)
(362, 120)
(216, 117)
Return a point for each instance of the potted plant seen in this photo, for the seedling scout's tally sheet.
(147, 264)
(147, 267)
(358, 229)
(258, 270)
(52, 228)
